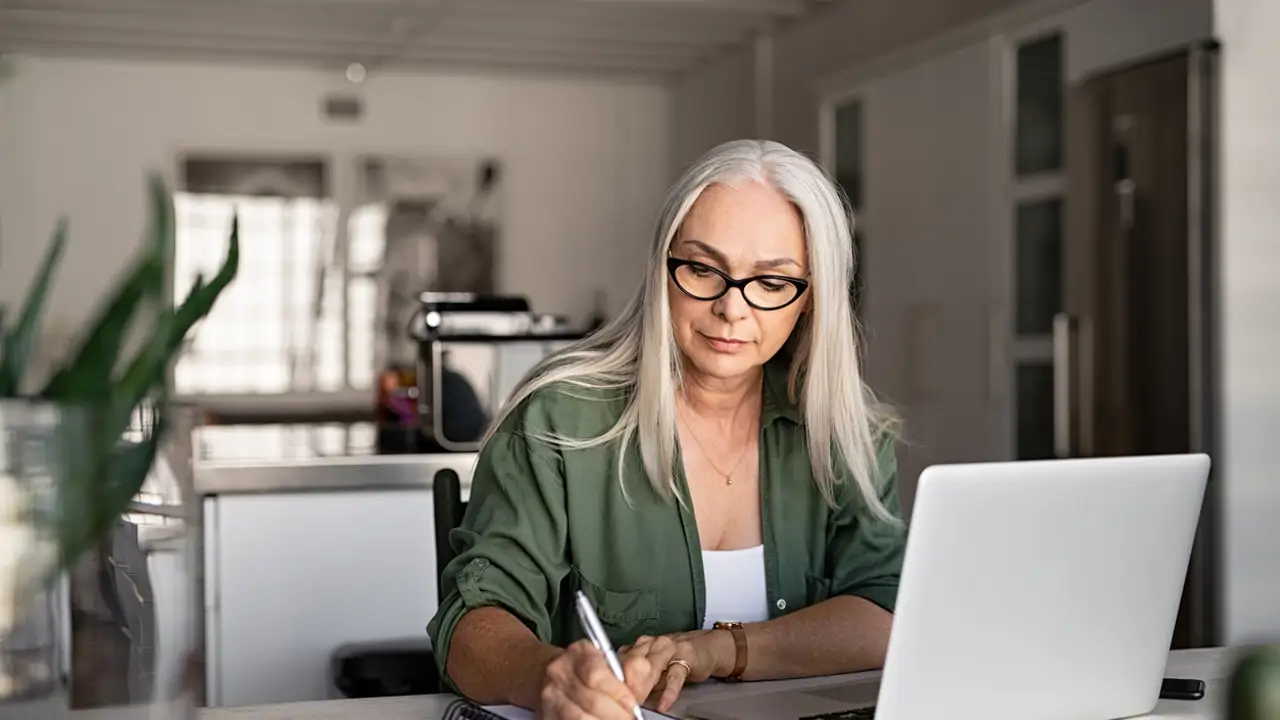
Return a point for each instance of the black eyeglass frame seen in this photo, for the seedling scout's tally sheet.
(675, 263)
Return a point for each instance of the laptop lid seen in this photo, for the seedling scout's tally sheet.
(1042, 589)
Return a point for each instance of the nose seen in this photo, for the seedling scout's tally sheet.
(732, 306)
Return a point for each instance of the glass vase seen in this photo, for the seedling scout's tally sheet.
(113, 632)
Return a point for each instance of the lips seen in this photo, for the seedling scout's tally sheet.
(721, 344)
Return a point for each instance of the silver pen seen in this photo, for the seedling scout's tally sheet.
(595, 632)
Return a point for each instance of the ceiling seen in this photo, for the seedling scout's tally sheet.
(646, 37)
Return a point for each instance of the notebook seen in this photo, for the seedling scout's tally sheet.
(463, 710)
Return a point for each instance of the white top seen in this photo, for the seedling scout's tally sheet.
(735, 586)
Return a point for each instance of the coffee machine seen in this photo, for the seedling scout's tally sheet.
(472, 352)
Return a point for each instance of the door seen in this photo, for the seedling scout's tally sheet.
(1130, 348)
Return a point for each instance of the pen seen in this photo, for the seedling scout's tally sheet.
(595, 631)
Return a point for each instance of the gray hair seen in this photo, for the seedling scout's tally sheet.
(636, 352)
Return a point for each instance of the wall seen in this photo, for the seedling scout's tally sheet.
(585, 161)
(848, 34)
(1250, 317)
(1106, 33)
(928, 151)
(712, 105)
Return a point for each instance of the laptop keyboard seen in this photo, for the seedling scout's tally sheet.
(864, 713)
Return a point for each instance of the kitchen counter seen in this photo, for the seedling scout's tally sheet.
(302, 556)
(368, 472)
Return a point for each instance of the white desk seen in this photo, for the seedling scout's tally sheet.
(1212, 666)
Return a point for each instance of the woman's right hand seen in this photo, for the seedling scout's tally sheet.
(578, 685)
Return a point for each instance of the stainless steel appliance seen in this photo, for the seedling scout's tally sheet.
(472, 352)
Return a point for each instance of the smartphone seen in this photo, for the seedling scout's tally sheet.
(1181, 689)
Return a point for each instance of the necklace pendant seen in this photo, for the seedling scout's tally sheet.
(728, 480)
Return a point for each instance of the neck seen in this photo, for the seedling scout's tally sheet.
(720, 398)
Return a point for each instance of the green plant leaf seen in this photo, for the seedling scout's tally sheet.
(201, 298)
(18, 344)
(104, 474)
(110, 484)
(98, 356)
(163, 236)
(89, 372)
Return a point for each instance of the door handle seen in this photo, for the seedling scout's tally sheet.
(1064, 336)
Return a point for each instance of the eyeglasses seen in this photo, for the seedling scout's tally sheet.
(762, 292)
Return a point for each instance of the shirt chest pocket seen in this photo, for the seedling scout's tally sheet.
(625, 614)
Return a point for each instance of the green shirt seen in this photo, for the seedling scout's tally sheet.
(543, 522)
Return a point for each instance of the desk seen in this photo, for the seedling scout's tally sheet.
(1211, 665)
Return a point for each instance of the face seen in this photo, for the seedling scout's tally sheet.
(743, 231)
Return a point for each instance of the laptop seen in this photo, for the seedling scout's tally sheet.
(1044, 589)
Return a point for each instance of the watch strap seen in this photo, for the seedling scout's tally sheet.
(740, 647)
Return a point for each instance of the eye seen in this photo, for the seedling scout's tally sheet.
(701, 271)
(774, 286)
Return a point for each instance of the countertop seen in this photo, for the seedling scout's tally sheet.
(1211, 665)
(370, 472)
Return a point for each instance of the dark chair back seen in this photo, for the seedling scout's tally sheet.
(447, 497)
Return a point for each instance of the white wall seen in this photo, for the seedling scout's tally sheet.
(710, 106)
(1250, 317)
(930, 254)
(1106, 33)
(848, 34)
(584, 162)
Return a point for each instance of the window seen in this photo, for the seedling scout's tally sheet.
(1037, 215)
(266, 334)
(849, 171)
(1038, 259)
(303, 316)
(1039, 139)
(283, 325)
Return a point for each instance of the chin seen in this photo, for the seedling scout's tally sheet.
(725, 367)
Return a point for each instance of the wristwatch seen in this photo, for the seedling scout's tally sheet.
(740, 645)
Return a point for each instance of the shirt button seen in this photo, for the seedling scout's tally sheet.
(782, 604)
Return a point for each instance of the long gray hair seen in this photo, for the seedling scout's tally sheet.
(637, 353)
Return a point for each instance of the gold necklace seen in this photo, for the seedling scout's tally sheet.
(728, 477)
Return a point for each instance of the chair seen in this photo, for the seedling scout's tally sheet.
(404, 667)
(449, 508)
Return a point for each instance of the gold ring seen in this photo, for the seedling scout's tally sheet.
(682, 663)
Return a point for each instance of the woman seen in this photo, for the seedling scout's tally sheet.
(708, 468)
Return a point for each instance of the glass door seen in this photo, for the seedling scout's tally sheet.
(849, 171)
(1038, 192)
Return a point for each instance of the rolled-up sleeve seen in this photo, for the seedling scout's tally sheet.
(865, 552)
(511, 544)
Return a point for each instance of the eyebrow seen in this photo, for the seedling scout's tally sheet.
(720, 258)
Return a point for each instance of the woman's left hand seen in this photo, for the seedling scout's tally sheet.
(679, 659)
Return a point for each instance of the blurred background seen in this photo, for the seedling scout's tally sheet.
(1066, 220)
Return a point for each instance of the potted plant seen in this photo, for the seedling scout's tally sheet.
(69, 470)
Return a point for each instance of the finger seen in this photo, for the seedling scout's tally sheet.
(674, 683)
(662, 650)
(641, 643)
(640, 648)
(640, 674)
(595, 681)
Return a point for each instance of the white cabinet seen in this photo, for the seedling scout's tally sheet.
(303, 558)
(295, 575)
